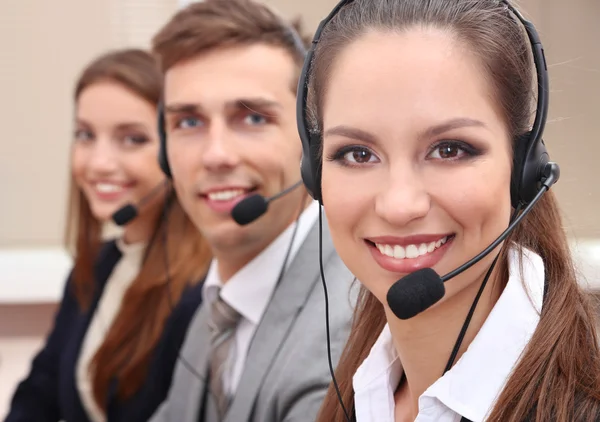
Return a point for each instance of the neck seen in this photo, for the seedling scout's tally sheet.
(231, 260)
(142, 227)
(425, 342)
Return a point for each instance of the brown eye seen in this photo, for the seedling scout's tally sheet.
(451, 150)
(82, 135)
(361, 156)
(448, 151)
(135, 139)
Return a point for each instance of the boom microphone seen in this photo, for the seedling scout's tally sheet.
(420, 290)
(129, 211)
(249, 209)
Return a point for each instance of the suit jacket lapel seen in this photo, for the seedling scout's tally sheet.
(195, 354)
(287, 302)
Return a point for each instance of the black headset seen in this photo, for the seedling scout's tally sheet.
(529, 157)
(163, 162)
(294, 39)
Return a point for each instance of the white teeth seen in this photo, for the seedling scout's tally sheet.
(412, 251)
(108, 187)
(389, 250)
(409, 251)
(399, 252)
(225, 195)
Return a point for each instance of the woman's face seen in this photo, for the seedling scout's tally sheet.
(114, 160)
(416, 159)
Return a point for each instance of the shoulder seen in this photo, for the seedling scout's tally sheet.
(105, 262)
(185, 309)
(108, 254)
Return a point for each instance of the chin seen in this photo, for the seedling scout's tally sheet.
(104, 213)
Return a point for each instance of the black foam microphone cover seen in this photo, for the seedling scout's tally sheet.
(125, 215)
(415, 293)
(249, 209)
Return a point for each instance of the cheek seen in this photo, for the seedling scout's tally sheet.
(276, 158)
(182, 160)
(142, 167)
(78, 164)
(346, 202)
(481, 206)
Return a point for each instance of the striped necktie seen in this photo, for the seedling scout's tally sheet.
(222, 324)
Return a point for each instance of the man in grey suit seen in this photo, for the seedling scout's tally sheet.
(257, 348)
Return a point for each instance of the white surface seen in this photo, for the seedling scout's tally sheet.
(184, 3)
(586, 254)
(38, 275)
(33, 275)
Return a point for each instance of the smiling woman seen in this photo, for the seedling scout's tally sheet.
(116, 338)
(424, 110)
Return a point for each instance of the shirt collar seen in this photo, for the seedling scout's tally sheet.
(249, 290)
(471, 387)
(130, 249)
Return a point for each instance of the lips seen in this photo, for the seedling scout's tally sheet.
(104, 187)
(411, 250)
(226, 195)
(109, 190)
(224, 199)
(406, 255)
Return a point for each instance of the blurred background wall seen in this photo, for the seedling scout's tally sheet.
(43, 46)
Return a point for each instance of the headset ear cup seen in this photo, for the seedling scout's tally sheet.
(306, 173)
(310, 166)
(163, 162)
(519, 150)
(316, 165)
(527, 168)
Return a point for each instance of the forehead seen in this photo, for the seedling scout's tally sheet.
(108, 101)
(227, 74)
(416, 77)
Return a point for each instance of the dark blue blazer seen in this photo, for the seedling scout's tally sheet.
(49, 393)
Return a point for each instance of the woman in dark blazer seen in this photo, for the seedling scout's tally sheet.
(127, 302)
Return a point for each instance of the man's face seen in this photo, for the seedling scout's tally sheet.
(231, 128)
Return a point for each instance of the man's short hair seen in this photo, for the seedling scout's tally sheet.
(212, 24)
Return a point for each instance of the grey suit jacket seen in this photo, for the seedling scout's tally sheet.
(286, 373)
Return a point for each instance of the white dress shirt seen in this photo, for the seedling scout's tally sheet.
(249, 290)
(107, 309)
(471, 387)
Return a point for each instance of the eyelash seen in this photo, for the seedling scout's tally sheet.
(177, 123)
(135, 139)
(467, 149)
(82, 135)
(239, 118)
(82, 132)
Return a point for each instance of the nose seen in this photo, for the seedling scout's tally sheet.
(220, 152)
(403, 198)
(103, 159)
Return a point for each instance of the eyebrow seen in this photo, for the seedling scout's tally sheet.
(240, 103)
(369, 138)
(120, 127)
(449, 125)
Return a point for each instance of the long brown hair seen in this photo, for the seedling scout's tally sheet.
(127, 349)
(558, 375)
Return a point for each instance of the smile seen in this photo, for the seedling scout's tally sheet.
(104, 187)
(223, 199)
(225, 195)
(409, 254)
(410, 251)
